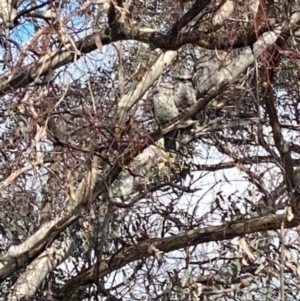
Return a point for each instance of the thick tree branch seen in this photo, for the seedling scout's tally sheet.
(23, 253)
(63, 56)
(89, 190)
(30, 280)
(197, 7)
(130, 254)
(129, 99)
(281, 144)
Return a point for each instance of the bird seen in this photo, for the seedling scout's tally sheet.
(184, 92)
(164, 110)
(171, 99)
(164, 106)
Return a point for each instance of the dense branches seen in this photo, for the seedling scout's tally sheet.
(93, 205)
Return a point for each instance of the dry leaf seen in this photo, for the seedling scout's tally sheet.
(226, 179)
(106, 5)
(98, 41)
(254, 5)
(125, 279)
(289, 213)
(245, 282)
(287, 255)
(223, 13)
(41, 133)
(298, 270)
(245, 247)
(220, 55)
(245, 262)
(291, 266)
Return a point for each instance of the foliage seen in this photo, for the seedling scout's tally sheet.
(94, 206)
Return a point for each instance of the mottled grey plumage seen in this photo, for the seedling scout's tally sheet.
(165, 110)
(169, 100)
(164, 106)
(184, 93)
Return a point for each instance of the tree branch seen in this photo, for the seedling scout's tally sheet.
(30, 280)
(193, 237)
(197, 7)
(63, 56)
(129, 99)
